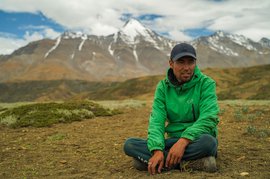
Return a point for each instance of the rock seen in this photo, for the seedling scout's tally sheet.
(241, 158)
(22, 148)
(63, 161)
(244, 174)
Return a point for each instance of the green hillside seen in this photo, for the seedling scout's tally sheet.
(236, 83)
(46, 90)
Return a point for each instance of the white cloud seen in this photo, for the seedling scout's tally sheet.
(8, 45)
(50, 33)
(254, 33)
(28, 37)
(179, 35)
(9, 42)
(7, 35)
(248, 17)
(103, 29)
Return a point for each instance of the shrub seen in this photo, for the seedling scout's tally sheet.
(46, 114)
(251, 130)
(8, 120)
(238, 115)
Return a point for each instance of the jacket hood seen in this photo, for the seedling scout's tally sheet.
(173, 82)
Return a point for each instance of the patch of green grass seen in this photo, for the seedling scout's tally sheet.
(46, 114)
(244, 109)
(251, 117)
(58, 136)
(29, 172)
(13, 105)
(252, 130)
(2, 109)
(9, 120)
(238, 115)
(258, 113)
(222, 111)
(131, 103)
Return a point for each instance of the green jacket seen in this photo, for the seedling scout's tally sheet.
(190, 109)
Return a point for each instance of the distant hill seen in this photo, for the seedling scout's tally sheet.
(234, 83)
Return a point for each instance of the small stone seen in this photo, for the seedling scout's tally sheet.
(63, 161)
(241, 158)
(244, 174)
(22, 148)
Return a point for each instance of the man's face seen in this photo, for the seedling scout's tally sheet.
(183, 68)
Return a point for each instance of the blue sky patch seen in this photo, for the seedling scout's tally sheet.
(126, 16)
(145, 17)
(198, 32)
(19, 23)
(149, 17)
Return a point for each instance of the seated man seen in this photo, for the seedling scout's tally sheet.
(187, 100)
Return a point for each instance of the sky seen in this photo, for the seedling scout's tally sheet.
(183, 20)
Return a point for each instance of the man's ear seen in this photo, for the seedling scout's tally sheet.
(171, 63)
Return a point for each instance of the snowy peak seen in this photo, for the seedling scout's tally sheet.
(133, 24)
(238, 39)
(133, 29)
(74, 35)
(228, 44)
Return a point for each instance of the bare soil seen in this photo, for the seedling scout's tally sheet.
(93, 148)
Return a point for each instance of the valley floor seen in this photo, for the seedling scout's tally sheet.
(93, 148)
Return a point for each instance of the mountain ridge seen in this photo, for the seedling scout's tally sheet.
(133, 51)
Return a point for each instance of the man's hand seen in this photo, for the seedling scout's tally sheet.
(156, 160)
(176, 152)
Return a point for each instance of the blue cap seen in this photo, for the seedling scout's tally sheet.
(181, 50)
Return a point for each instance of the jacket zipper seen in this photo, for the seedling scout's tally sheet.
(193, 112)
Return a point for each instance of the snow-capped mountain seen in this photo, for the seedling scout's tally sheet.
(230, 50)
(133, 51)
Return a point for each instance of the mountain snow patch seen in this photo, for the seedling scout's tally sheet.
(54, 47)
(132, 29)
(214, 44)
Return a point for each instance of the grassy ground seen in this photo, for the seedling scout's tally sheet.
(93, 148)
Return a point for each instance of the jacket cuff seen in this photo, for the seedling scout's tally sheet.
(187, 136)
(155, 148)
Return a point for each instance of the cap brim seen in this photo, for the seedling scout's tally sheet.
(180, 55)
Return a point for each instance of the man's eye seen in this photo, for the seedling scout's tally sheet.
(180, 62)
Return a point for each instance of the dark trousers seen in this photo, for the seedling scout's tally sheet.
(204, 146)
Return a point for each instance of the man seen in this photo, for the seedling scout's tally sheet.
(187, 100)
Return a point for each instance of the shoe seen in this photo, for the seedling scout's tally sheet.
(139, 165)
(207, 164)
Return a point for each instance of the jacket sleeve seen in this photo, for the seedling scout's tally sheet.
(156, 127)
(208, 113)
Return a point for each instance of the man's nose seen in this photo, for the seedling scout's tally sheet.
(186, 66)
